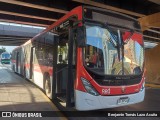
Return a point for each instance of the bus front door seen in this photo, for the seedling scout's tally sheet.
(61, 72)
(63, 82)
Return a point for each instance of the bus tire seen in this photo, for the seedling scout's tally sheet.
(47, 86)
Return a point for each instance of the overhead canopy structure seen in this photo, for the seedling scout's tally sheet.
(89, 2)
(45, 12)
(15, 35)
(150, 21)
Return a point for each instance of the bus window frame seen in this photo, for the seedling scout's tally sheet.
(94, 23)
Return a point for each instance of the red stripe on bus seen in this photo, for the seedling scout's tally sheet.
(41, 68)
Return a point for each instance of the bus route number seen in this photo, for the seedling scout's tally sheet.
(106, 91)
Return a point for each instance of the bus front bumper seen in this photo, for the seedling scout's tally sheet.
(85, 101)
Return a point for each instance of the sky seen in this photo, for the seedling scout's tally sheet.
(9, 48)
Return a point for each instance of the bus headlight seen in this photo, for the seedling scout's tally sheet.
(143, 86)
(89, 88)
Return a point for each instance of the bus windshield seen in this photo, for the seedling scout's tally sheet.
(5, 56)
(103, 57)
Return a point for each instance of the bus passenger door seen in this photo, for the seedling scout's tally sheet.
(63, 70)
(60, 68)
(72, 50)
(32, 62)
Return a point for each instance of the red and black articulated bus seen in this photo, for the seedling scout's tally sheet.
(89, 59)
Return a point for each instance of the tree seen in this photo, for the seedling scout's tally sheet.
(3, 49)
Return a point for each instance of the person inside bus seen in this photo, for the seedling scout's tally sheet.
(88, 62)
(93, 60)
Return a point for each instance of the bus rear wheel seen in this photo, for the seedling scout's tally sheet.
(48, 86)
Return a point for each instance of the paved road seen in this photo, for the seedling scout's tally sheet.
(21, 95)
(17, 94)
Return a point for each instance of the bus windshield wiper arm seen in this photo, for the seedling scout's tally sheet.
(119, 47)
(117, 42)
(112, 39)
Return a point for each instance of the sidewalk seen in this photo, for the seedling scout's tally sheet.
(17, 94)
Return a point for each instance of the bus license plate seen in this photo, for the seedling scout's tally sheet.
(123, 100)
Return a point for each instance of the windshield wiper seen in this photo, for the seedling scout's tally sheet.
(113, 41)
(119, 48)
(117, 42)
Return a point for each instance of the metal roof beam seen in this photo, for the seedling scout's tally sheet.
(155, 31)
(21, 22)
(12, 40)
(150, 21)
(89, 2)
(6, 37)
(34, 6)
(151, 37)
(12, 44)
(27, 16)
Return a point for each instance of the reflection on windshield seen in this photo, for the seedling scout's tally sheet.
(101, 56)
(133, 55)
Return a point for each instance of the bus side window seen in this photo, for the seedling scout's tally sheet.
(28, 53)
(48, 55)
(36, 54)
(40, 54)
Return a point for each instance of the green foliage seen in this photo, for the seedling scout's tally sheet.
(3, 49)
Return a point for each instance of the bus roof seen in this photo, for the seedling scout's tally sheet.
(77, 12)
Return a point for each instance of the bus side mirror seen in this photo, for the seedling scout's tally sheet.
(81, 36)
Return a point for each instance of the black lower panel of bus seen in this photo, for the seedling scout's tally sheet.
(62, 75)
(61, 84)
(61, 99)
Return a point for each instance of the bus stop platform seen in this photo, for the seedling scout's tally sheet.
(18, 94)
